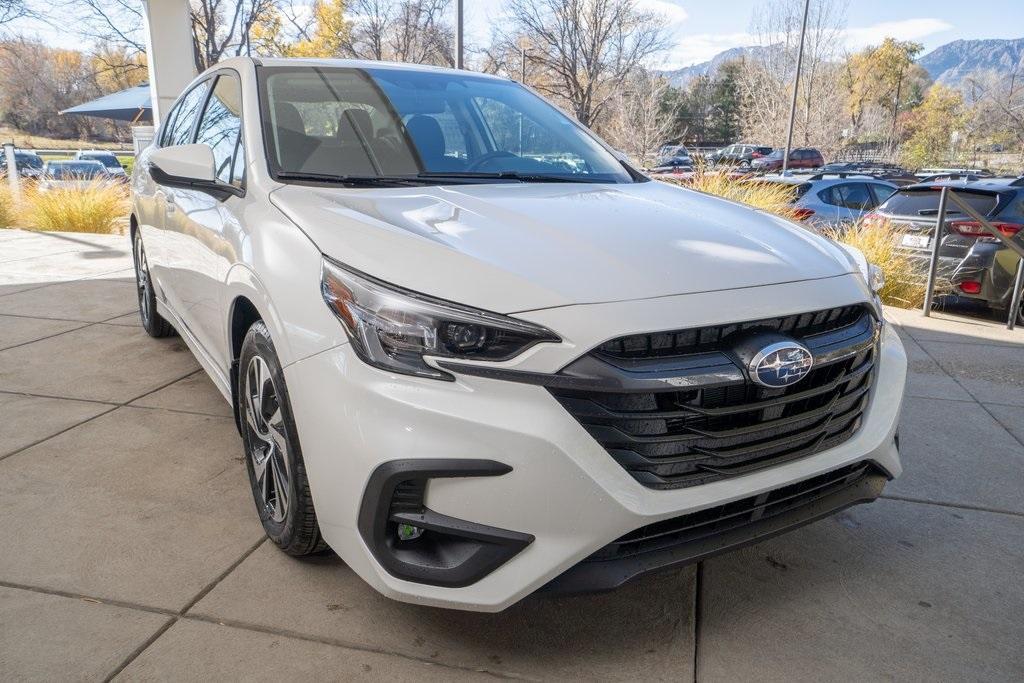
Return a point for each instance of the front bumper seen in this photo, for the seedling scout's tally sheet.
(563, 492)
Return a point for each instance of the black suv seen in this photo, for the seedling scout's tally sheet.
(739, 154)
(29, 164)
(977, 265)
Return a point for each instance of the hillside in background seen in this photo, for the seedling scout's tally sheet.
(950, 63)
(681, 78)
(947, 64)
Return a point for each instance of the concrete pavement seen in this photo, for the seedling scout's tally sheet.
(131, 548)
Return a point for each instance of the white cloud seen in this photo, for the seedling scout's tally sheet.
(701, 47)
(907, 29)
(673, 13)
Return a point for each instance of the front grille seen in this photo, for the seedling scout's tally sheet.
(722, 519)
(704, 339)
(673, 437)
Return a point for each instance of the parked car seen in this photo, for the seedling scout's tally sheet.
(738, 155)
(29, 164)
(62, 174)
(833, 199)
(673, 164)
(474, 374)
(108, 159)
(801, 157)
(977, 265)
(666, 151)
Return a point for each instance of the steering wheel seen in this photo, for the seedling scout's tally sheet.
(484, 158)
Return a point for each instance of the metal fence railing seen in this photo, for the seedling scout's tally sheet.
(950, 195)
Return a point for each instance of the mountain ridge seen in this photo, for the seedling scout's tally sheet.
(948, 64)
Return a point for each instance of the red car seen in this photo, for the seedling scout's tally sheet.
(801, 157)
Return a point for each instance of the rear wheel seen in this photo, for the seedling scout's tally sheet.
(277, 472)
(154, 323)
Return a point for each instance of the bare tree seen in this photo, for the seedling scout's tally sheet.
(769, 72)
(998, 103)
(402, 31)
(639, 119)
(222, 28)
(585, 49)
(11, 10)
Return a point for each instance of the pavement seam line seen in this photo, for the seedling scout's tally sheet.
(51, 336)
(134, 654)
(975, 398)
(114, 406)
(56, 434)
(347, 645)
(220, 577)
(947, 504)
(112, 602)
(175, 616)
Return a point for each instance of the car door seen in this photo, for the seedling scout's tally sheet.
(165, 250)
(205, 225)
(855, 199)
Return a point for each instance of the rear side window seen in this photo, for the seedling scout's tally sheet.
(179, 131)
(221, 124)
(882, 192)
(925, 202)
(848, 195)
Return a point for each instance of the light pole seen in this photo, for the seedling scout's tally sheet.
(796, 88)
(459, 64)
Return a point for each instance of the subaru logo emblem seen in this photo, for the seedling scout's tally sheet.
(781, 364)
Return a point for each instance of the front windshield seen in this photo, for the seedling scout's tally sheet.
(405, 123)
(75, 171)
(108, 160)
(28, 161)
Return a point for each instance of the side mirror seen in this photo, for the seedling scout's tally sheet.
(189, 167)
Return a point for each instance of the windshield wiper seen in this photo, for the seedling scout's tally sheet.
(508, 175)
(356, 180)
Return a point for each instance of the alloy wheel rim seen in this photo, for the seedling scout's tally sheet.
(142, 279)
(268, 449)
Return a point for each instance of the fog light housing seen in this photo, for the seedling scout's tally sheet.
(408, 532)
(394, 519)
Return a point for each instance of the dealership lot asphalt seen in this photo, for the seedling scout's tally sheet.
(131, 550)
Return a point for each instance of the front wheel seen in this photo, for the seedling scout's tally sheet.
(154, 323)
(277, 472)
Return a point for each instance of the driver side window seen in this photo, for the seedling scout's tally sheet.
(513, 132)
(183, 117)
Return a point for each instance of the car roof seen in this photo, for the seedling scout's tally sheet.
(344, 63)
(990, 184)
(66, 162)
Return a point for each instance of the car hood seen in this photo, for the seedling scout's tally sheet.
(517, 247)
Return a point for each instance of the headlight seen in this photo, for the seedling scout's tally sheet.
(875, 278)
(394, 329)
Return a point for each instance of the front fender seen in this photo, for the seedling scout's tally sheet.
(278, 271)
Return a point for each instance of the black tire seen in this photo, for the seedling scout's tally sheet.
(154, 323)
(268, 431)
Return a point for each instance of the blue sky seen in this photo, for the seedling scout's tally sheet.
(701, 28)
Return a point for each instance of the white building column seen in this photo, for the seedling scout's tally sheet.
(169, 52)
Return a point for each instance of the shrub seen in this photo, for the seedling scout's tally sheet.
(94, 206)
(904, 281)
(6, 206)
(775, 198)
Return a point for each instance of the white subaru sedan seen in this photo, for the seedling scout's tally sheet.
(478, 355)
